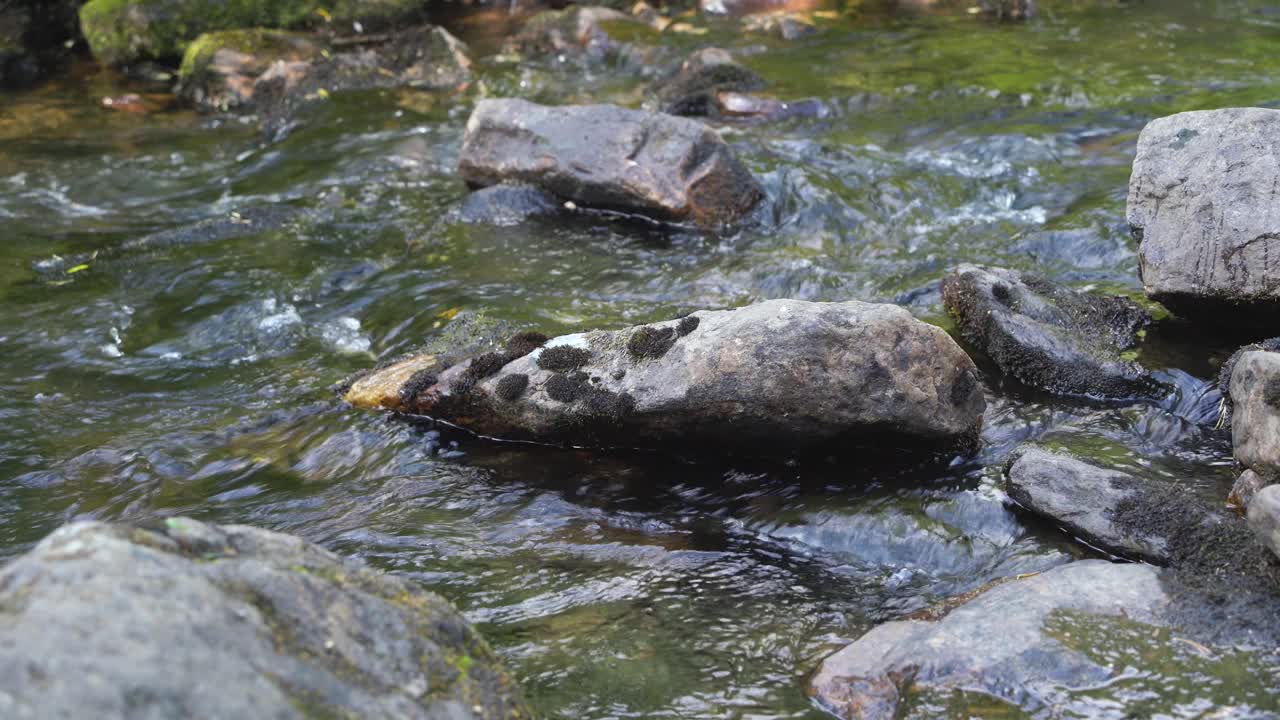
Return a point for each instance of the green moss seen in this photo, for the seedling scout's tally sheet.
(122, 31)
(256, 41)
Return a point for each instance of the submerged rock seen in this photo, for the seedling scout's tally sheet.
(124, 31)
(1082, 499)
(1049, 336)
(768, 379)
(187, 619)
(604, 156)
(1004, 644)
(693, 89)
(1201, 202)
(506, 205)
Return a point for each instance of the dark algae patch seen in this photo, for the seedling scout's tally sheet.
(687, 325)
(565, 388)
(487, 365)
(416, 383)
(523, 343)
(651, 343)
(512, 386)
(563, 358)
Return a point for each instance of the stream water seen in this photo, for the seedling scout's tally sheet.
(195, 378)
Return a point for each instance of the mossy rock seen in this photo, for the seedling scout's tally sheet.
(219, 68)
(123, 31)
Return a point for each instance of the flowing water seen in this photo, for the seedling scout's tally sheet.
(194, 377)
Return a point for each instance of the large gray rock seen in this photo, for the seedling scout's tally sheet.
(1049, 336)
(769, 378)
(1264, 517)
(1082, 499)
(1000, 644)
(603, 156)
(189, 620)
(1201, 201)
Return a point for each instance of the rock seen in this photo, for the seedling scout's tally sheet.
(187, 619)
(1244, 489)
(1008, 9)
(739, 106)
(788, 26)
(770, 378)
(1200, 203)
(741, 8)
(506, 205)
(1250, 380)
(1264, 517)
(1255, 414)
(1048, 336)
(124, 31)
(277, 73)
(220, 69)
(1082, 499)
(607, 157)
(1003, 644)
(692, 90)
(577, 29)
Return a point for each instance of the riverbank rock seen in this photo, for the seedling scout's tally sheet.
(125, 31)
(276, 73)
(1049, 336)
(603, 156)
(692, 91)
(1200, 203)
(187, 619)
(1013, 643)
(1083, 499)
(767, 379)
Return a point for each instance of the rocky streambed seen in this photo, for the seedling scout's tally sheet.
(885, 361)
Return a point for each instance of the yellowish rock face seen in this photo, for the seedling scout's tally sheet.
(381, 388)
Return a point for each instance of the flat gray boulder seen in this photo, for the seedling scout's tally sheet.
(769, 379)
(1002, 644)
(603, 156)
(1049, 336)
(1201, 201)
(1082, 499)
(191, 620)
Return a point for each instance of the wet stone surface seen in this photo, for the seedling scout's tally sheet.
(164, 357)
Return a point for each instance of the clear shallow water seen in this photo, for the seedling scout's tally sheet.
(195, 378)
